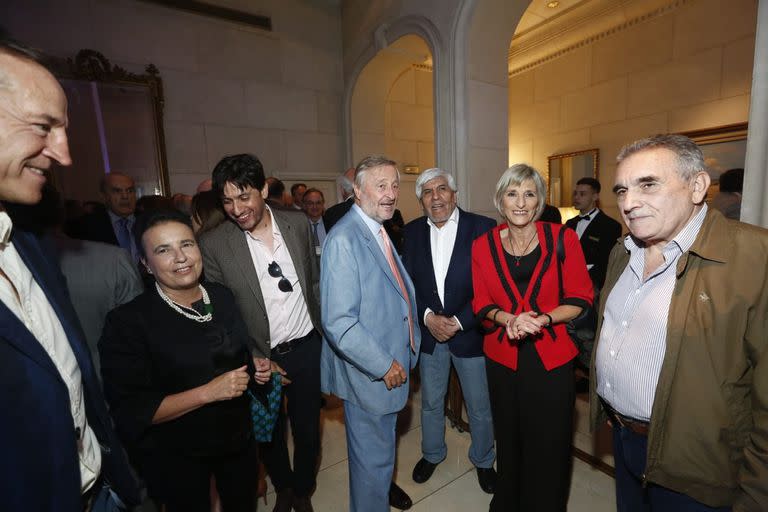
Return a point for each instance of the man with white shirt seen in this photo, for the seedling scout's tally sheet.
(597, 231)
(266, 257)
(437, 253)
(681, 361)
(59, 450)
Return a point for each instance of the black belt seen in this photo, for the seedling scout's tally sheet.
(287, 346)
(639, 427)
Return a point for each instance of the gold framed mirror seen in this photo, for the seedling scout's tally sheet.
(115, 125)
(565, 170)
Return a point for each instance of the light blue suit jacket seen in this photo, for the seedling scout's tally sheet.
(365, 319)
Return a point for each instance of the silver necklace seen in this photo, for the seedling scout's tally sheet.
(197, 317)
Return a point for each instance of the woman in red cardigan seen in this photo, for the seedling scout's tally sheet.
(529, 355)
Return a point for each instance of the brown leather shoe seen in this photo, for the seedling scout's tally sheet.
(284, 501)
(302, 504)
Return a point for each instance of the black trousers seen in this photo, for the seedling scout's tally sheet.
(183, 483)
(533, 421)
(302, 365)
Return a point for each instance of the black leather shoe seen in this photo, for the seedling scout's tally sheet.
(487, 479)
(423, 470)
(398, 498)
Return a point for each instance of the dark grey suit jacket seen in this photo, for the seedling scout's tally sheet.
(227, 260)
(100, 277)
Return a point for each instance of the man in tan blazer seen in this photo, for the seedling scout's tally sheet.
(266, 257)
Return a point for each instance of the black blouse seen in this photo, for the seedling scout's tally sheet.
(149, 351)
(522, 268)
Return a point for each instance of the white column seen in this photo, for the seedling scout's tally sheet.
(754, 206)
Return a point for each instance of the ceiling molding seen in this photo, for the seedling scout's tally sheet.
(576, 29)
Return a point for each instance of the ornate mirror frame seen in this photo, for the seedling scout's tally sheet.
(91, 66)
(564, 190)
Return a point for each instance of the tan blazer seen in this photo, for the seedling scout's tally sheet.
(227, 260)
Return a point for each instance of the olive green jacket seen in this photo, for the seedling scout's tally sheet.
(708, 434)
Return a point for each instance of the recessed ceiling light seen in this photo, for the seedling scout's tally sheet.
(553, 4)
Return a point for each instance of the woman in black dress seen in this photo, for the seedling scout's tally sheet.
(176, 364)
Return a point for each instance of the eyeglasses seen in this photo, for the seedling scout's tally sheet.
(275, 271)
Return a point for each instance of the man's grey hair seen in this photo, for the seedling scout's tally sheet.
(372, 162)
(690, 160)
(431, 174)
(345, 184)
(515, 176)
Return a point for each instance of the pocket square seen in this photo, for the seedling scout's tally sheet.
(703, 297)
(594, 238)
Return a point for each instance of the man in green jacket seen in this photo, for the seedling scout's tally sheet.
(681, 362)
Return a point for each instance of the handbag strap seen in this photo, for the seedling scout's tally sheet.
(560, 259)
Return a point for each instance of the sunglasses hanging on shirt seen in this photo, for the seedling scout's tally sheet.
(275, 271)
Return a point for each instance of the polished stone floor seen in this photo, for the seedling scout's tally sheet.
(453, 486)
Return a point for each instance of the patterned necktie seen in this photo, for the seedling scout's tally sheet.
(315, 238)
(392, 265)
(124, 235)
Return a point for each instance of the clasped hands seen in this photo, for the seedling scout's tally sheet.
(441, 327)
(525, 324)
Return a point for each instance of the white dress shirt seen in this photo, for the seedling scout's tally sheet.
(583, 224)
(633, 338)
(287, 311)
(441, 242)
(32, 308)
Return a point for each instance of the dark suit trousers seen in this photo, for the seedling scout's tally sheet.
(302, 365)
(533, 421)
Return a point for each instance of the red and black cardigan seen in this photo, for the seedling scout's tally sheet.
(494, 288)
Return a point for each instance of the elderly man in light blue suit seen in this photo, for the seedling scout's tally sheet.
(369, 319)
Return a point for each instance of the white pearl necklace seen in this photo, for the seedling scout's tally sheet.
(197, 317)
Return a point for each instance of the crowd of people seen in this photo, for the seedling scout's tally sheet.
(188, 312)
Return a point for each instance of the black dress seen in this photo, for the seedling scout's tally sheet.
(150, 351)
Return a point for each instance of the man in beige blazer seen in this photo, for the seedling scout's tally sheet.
(266, 257)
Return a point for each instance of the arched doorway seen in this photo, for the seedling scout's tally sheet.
(391, 113)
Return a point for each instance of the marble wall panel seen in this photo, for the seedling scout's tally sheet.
(601, 103)
(710, 23)
(243, 53)
(204, 99)
(267, 145)
(682, 82)
(312, 153)
(738, 60)
(425, 87)
(311, 67)
(643, 46)
(487, 122)
(567, 73)
(709, 115)
(185, 147)
(281, 107)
